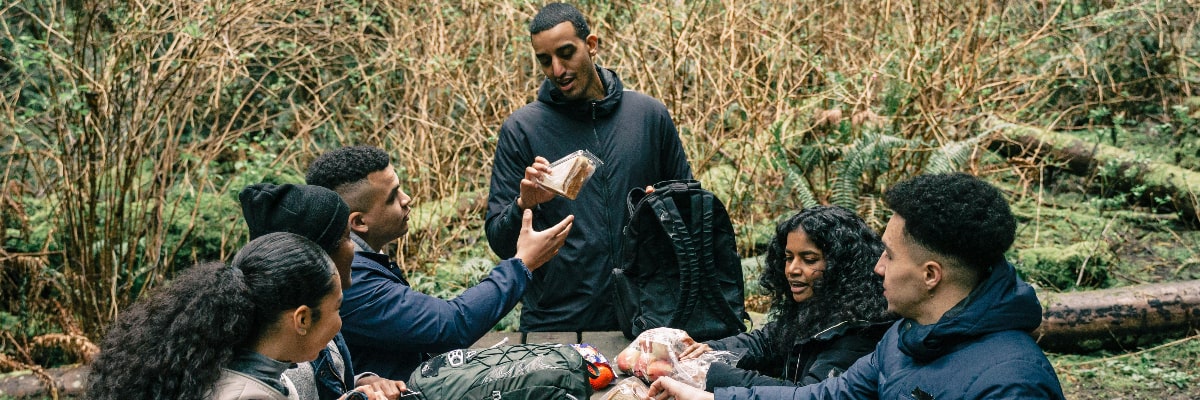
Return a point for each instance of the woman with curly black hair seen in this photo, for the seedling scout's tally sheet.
(224, 332)
(827, 304)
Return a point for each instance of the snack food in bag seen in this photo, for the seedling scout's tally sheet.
(568, 174)
(601, 372)
(628, 389)
(655, 353)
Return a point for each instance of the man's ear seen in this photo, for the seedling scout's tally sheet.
(358, 224)
(933, 274)
(593, 44)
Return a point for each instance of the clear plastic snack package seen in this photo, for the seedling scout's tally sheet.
(655, 353)
(628, 389)
(568, 174)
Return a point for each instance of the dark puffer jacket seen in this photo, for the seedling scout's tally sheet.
(979, 349)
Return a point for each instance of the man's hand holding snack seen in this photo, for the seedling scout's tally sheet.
(532, 193)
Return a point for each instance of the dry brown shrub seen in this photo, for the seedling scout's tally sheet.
(77, 346)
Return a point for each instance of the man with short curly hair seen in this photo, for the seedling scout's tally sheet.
(966, 316)
(388, 326)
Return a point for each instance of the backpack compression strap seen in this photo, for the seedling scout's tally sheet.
(683, 241)
(693, 250)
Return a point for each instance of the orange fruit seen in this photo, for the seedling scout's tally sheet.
(604, 376)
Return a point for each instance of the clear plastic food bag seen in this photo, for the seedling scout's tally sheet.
(655, 353)
(568, 174)
(628, 389)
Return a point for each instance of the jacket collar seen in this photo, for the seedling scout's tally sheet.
(265, 369)
(360, 244)
(845, 327)
(585, 110)
(1001, 302)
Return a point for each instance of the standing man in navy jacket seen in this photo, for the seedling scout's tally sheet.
(580, 106)
(966, 316)
(388, 326)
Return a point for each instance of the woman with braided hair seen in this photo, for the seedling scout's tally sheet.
(827, 305)
(225, 332)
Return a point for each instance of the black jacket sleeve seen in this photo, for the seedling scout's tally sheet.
(836, 357)
(724, 375)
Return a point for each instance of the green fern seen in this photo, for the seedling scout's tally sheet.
(794, 179)
(867, 156)
(952, 156)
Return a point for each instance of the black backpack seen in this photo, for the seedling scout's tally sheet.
(522, 371)
(680, 267)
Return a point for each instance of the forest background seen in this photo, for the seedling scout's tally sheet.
(128, 127)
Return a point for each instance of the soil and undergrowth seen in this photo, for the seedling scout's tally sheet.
(1067, 222)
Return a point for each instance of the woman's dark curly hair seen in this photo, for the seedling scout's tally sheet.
(172, 344)
(849, 289)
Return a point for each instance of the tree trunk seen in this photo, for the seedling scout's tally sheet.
(1164, 185)
(1120, 318)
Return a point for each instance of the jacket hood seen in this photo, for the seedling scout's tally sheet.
(1002, 302)
(585, 110)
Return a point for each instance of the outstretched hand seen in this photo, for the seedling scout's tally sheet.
(535, 248)
(380, 388)
(532, 192)
(696, 350)
(666, 388)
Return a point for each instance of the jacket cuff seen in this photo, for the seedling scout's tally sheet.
(362, 375)
(521, 263)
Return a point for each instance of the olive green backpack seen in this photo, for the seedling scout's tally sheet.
(522, 371)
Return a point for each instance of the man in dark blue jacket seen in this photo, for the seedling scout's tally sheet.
(580, 106)
(388, 326)
(966, 316)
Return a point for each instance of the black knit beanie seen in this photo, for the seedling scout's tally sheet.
(314, 212)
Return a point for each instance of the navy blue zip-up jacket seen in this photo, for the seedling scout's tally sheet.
(980, 349)
(634, 137)
(389, 326)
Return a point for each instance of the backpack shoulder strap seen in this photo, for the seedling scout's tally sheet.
(687, 250)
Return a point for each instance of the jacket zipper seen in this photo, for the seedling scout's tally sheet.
(341, 379)
(604, 190)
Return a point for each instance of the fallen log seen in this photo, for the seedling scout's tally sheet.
(1165, 184)
(1120, 319)
(69, 383)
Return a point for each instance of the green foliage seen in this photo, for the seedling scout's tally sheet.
(1083, 265)
(752, 269)
(1158, 372)
(1116, 67)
